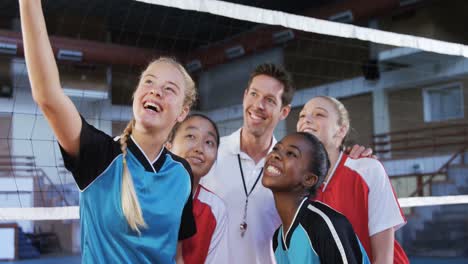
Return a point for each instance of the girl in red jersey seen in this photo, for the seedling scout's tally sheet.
(196, 139)
(358, 188)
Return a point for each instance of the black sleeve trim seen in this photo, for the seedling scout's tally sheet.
(96, 153)
(187, 223)
(275, 239)
(322, 237)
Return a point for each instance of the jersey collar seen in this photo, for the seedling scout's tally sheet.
(332, 173)
(137, 151)
(233, 144)
(286, 237)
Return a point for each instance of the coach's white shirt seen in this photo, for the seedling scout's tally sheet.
(225, 180)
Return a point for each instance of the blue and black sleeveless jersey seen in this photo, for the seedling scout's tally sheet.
(318, 234)
(163, 188)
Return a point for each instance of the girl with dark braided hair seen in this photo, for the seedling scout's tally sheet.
(136, 201)
(311, 232)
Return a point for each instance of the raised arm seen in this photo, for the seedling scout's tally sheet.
(58, 109)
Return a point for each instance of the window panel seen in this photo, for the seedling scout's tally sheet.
(443, 102)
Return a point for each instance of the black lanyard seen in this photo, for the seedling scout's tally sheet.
(243, 225)
(247, 194)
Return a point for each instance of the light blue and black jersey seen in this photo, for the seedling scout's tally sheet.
(163, 188)
(318, 234)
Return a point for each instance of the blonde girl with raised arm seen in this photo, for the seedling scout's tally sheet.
(136, 202)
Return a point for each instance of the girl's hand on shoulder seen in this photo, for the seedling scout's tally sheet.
(358, 151)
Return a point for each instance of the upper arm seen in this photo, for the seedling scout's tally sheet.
(65, 121)
(382, 205)
(382, 245)
(179, 254)
(381, 195)
(43, 75)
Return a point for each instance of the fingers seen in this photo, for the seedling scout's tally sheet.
(357, 151)
(367, 152)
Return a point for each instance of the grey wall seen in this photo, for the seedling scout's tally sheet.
(224, 85)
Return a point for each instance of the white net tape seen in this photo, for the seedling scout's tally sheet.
(433, 200)
(40, 213)
(72, 212)
(308, 24)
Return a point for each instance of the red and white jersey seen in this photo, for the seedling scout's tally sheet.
(361, 190)
(211, 221)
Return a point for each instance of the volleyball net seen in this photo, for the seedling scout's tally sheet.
(72, 212)
(399, 89)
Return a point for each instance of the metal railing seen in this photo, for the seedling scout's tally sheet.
(422, 182)
(417, 141)
(25, 166)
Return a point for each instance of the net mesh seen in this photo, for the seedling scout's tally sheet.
(398, 88)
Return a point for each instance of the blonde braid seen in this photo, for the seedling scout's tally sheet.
(130, 205)
(343, 117)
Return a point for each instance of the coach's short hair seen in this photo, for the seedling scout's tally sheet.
(279, 73)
